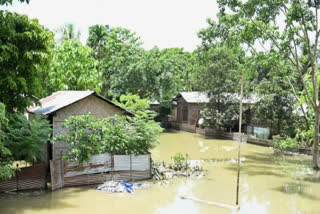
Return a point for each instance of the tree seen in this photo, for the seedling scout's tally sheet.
(26, 139)
(98, 38)
(6, 170)
(116, 59)
(67, 32)
(73, 67)
(25, 48)
(139, 107)
(7, 2)
(277, 108)
(219, 77)
(133, 103)
(257, 21)
(88, 136)
(220, 71)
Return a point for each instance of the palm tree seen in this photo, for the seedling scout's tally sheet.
(67, 32)
(98, 38)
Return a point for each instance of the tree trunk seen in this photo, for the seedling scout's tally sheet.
(315, 156)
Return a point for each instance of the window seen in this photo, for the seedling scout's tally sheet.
(185, 113)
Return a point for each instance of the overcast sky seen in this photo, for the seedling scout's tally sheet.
(165, 23)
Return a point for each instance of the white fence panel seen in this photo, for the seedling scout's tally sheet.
(121, 162)
(140, 162)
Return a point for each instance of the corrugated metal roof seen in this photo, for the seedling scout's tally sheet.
(203, 97)
(58, 100)
(195, 97)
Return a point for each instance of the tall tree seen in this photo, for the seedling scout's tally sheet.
(128, 68)
(258, 22)
(25, 49)
(73, 67)
(116, 49)
(219, 77)
(6, 171)
(98, 38)
(67, 32)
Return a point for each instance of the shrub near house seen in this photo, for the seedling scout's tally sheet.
(116, 135)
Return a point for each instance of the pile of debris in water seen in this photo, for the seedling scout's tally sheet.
(182, 167)
(120, 187)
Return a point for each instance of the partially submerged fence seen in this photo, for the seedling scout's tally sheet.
(27, 178)
(220, 134)
(100, 168)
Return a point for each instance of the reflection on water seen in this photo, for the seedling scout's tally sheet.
(268, 184)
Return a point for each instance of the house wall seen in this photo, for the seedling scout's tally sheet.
(96, 106)
(193, 112)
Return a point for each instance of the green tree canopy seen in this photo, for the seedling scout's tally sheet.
(128, 68)
(73, 67)
(6, 171)
(26, 139)
(7, 2)
(67, 32)
(257, 22)
(25, 48)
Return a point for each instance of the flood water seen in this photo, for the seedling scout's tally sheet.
(268, 184)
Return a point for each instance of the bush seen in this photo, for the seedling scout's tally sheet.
(180, 162)
(285, 144)
(26, 139)
(302, 139)
(117, 135)
(165, 108)
(6, 171)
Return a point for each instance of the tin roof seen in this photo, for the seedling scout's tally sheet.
(203, 97)
(61, 99)
(195, 97)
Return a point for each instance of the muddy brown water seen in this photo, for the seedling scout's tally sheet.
(268, 184)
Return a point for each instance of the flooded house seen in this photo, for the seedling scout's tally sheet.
(187, 112)
(69, 172)
(62, 104)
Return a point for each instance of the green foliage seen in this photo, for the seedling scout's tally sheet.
(140, 107)
(222, 115)
(25, 48)
(220, 71)
(98, 38)
(303, 139)
(287, 144)
(219, 76)
(67, 32)
(165, 108)
(133, 103)
(3, 118)
(6, 170)
(180, 162)
(277, 108)
(144, 136)
(296, 42)
(73, 68)
(26, 139)
(7, 2)
(85, 136)
(115, 49)
(117, 135)
(278, 111)
(128, 68)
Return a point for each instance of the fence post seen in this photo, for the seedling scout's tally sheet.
(61, 170)
(112, 166)
(130, 167)
(17, 179)
(150, 165)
